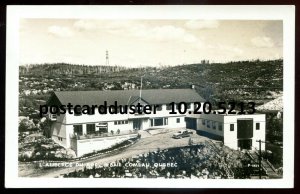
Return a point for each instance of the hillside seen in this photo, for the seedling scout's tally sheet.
(258, 81)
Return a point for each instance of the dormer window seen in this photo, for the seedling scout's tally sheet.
(77, 111)
(189, 106)
(169, 107)
(159, 107)
(52, 117)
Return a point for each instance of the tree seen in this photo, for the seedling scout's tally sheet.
(46, 127)
(27, 125)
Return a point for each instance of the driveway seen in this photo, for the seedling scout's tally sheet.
(144, 145)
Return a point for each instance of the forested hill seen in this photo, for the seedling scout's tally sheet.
(244, 80)
(65, 68)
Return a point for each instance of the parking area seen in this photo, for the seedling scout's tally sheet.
(144, 145)
(165, 140)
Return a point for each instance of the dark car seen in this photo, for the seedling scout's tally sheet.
(182, 133)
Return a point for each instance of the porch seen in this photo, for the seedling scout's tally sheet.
(100, 134)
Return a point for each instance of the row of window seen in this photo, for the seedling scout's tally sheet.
(208, 124)
(90, 128)
(120, 122)
(212, 124)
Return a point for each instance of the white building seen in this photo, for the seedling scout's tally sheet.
(85, 133)
(234, 130)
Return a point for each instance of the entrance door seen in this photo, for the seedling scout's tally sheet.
(137, 124)
(191, 123)
(245, 144)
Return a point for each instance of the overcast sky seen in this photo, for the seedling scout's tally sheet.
(148, 42)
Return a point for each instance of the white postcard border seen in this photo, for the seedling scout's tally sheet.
(15, 13)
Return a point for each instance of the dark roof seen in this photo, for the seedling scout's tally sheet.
(124, 97)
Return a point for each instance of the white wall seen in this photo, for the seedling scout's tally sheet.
(230, 137)
(259, 134)
(90, 145)
(172, 122)
(85, 118)
(58, 128)
(218, 119)
(71, 119)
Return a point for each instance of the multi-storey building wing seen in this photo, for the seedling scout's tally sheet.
(90, 132)
(85, 133)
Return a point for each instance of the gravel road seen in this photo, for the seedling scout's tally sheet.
(152, 143)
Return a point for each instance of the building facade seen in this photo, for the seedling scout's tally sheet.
(85, 133)
(235, 131)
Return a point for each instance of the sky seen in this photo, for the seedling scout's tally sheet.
(134, 43)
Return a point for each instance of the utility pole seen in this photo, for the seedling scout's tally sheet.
(141, 88)
(107, 58)
(259, 157)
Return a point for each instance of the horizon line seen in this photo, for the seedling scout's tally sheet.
(141, 66)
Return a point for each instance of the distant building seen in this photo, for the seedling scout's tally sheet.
(204, 61)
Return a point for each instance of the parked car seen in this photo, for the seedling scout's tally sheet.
(182, 133)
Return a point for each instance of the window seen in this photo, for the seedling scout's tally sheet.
(78, 110)
(53, 116)
(102, 127)
(203, 122)
(111, 110)
(121, 122)
(91, 112)
(159, 107)
(231, 127)
(208, 124)
(176, 106)
(77, 129)
(178, 120)
(165, 121)
(213, 124)
(220, 127)
(189, 106)
(101, 109)
(90, 128)
(257, 126)
(158, 122)
(54, 110)
(169, 107)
